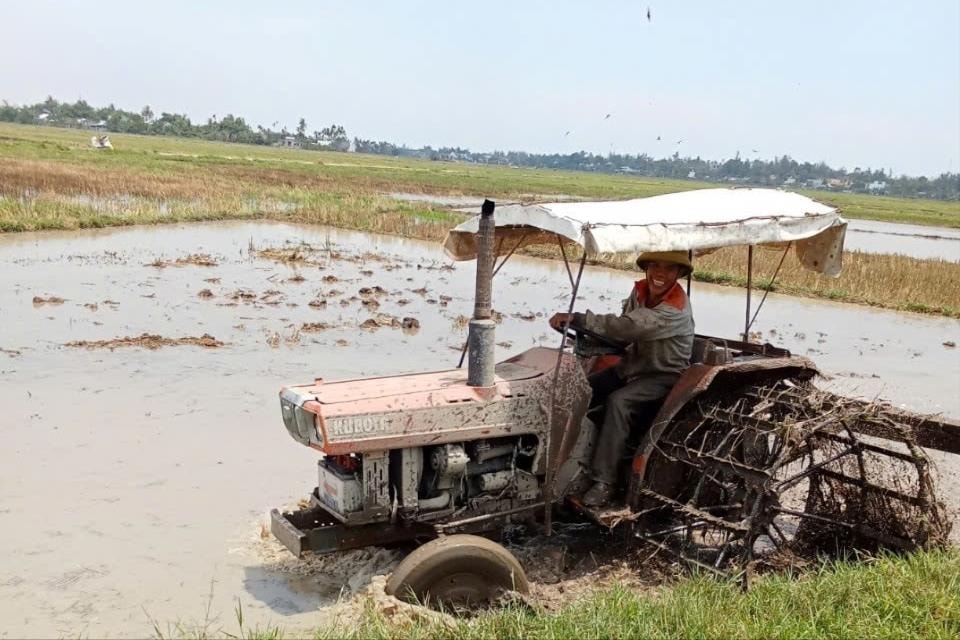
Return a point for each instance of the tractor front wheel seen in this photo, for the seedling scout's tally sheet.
(457, 572)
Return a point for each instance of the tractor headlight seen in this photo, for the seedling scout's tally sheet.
(301, 424)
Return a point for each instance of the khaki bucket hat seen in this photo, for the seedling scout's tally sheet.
(681, 258)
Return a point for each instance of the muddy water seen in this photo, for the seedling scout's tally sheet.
(133, 482)
(937, 243)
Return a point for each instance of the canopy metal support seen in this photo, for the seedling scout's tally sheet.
(566, 262)
(746, 322)
(548, 485)
(515, 247)
(767, 289)
(690, 274)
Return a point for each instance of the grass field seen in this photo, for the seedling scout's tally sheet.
(162, 167)
(51, 179)
(910, 596)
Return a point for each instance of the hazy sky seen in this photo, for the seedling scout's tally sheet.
(853, 83)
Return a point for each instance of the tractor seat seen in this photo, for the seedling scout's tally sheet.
(710, 351)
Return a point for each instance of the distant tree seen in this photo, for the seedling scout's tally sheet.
(147, 114)
(302, 129)
(334, 137)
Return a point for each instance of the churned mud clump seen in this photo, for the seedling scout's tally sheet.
(196, 259)
(571, 563)
(148, 341)
(39, 300)
(388, 321)
(313, 327)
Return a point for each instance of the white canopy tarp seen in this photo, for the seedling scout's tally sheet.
(700, 220)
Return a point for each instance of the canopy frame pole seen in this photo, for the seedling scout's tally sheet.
(746, 321)
(566, 263)
(770, 286)
(690, 273)
(515, 247)
(548, 485)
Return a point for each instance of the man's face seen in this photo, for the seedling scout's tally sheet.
(661, 276)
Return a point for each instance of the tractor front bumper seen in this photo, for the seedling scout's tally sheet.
(315, 529)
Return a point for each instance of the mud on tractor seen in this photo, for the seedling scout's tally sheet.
(743, 461)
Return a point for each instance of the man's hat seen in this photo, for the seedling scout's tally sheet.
(681, 258)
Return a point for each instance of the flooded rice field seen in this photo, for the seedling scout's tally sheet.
(141, 444)
(936, 243)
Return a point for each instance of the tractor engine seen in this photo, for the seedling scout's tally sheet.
(427, 452)
(423, 484)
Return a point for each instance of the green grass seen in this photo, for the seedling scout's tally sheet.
(911, 596)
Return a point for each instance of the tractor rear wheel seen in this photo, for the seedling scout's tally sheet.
(769, 472)
(457, 572)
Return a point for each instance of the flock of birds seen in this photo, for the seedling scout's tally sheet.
(659, 137)
(609, 115)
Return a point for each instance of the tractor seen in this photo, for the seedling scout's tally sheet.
(743, 460)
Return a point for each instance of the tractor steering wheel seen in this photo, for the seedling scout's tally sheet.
(589, 341)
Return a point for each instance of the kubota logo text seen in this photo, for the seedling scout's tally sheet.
(358, 426)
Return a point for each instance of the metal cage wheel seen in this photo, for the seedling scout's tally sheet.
(778, 468)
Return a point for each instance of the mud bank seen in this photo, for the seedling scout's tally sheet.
(133, 482)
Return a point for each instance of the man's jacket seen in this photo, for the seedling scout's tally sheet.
(659, 340)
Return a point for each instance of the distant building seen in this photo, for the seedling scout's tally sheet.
(815, 183)
(100, 125)
(289, 141)
(838, 183)
(877, 186)
(42, 117)
(789, 181)
(692, 174)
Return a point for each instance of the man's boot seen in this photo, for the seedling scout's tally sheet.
(598, 495)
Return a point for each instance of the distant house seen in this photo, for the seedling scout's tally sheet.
(815, 183)
(289, 141)
(877, 186)
(692, 174)
(838, 183)
(42, 117)
(100, 125)
(789, 181)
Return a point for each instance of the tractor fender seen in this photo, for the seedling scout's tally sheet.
(697, 379)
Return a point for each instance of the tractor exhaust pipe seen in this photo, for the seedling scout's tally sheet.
(480, 340)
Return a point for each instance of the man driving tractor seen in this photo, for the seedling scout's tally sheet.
(656, 328)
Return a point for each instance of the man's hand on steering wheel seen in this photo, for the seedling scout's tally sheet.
(558, 320)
